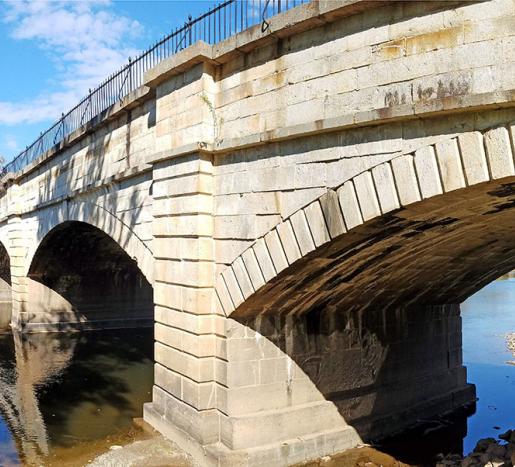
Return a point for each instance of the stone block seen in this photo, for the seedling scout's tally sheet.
(366, 195)
(448, 156)
(498, 150)
(187, 225)
(180, 167)
(168, 380)
(290, 201)
(189, 273)
(406, 179)
(288, 241)
(201, 396)
(427, 172)
(242, 373)
(316, 223)
(253, 269)
(197, 369)
(189, 184)
(273, 244)
(264, 259)
(302, 232)
(274, 370)
(349, 205)
(242, 276)
(330, 205)
(195, 249)
(385, 186)
(233, 286)
(473, 157)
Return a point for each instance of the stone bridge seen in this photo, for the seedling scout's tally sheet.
(299, 214)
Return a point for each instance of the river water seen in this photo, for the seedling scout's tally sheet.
(64, 397)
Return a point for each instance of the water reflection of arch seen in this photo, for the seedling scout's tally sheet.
(60, 389)
(39, 358)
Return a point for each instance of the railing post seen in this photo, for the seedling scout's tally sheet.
(130, 74)
(90, 106)
(189, 29)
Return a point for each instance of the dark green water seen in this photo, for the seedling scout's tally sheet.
(62, 393)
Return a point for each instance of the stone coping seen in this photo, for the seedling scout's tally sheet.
(298, 19)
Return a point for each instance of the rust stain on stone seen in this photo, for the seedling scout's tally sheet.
(392, 49)
(441, 39)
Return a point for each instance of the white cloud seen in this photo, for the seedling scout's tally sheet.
(86, 40)
(10, 142)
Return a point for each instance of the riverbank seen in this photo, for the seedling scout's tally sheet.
(510, 344)
(488, 452)
(147, 448)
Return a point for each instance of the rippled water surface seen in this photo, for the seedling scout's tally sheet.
(63, 396)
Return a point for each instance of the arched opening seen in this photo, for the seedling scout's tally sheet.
(68, 395)
(5, 288)
(371, 319)
(80, 277)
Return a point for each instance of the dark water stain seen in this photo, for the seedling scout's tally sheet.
(61, 391)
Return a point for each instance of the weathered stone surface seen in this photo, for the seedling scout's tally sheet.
(349, 205)
(385, 187)
(473, 157)
(332, 213)
(449, 162)
(427, 172)
(498, 149)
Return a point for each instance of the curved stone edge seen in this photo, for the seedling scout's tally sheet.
(461, 161)
(111, 225)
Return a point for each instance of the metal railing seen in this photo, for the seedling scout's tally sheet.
(222, 21)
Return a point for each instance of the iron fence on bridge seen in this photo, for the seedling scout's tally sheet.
(217, 24)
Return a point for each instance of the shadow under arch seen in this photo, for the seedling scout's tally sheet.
(5, 288)
(371, 314)
(82, 278)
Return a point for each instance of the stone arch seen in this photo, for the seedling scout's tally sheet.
(99, 217)
(457, 165)
(80, 277)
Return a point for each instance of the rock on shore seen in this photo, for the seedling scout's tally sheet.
(488, 452)
(510, 342)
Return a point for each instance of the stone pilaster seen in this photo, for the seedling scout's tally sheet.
(189, 348)
(18, 248)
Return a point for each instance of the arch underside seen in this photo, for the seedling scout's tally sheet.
(5, 288)
(437, 251)
(80, 277)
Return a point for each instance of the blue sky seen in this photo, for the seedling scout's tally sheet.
(52, 51)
